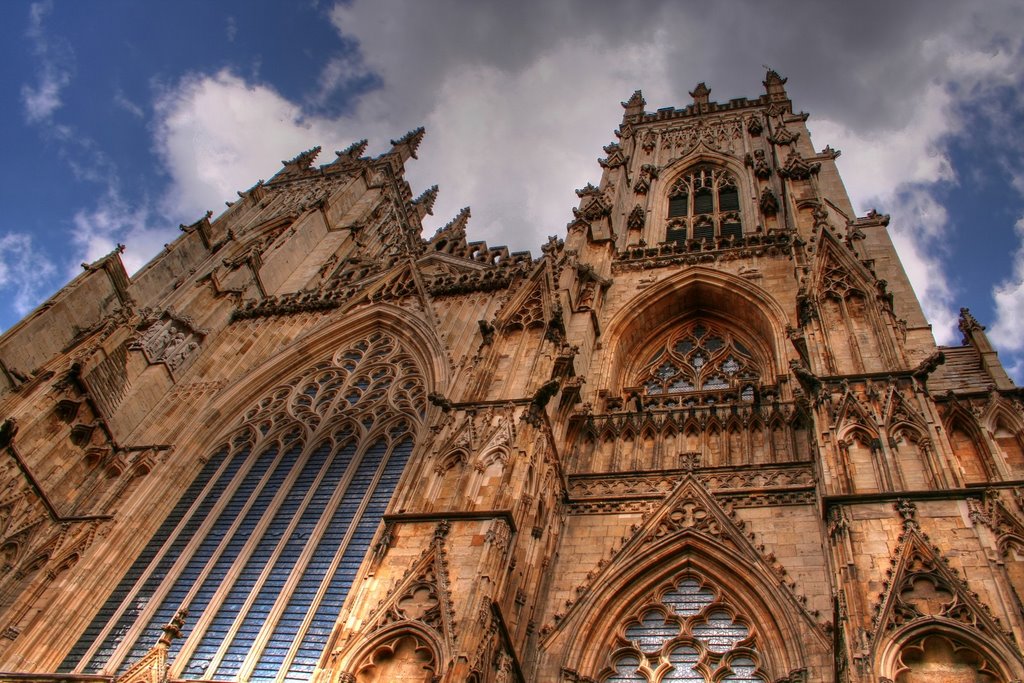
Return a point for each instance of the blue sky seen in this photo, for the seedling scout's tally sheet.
(123, 119)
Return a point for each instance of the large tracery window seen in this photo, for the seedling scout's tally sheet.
(703, 204)
(688, 632)
(700, 356)
(264, 545)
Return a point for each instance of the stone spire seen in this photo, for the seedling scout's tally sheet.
(405, 146)
(634, 106)
(457, 225)
(352, 153)
(701, 97)
(302, 161)
(775, 86)
(424, 204)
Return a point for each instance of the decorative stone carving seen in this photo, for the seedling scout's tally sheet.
(797, 168)
(648, 172)
(768, 202)
(171, 339)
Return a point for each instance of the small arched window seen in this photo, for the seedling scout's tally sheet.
(703, 204)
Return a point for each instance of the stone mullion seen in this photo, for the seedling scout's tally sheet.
(259, 643)
(244, 553)
(152, 602)
(168, 583)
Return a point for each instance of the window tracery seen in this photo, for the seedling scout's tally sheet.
(688, 632)
(703, 204)
(298, 490)
(700, 356)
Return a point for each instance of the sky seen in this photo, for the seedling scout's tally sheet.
(121, 120)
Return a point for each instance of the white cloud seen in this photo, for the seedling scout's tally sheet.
(122, 101)
(218, 134)
(518, 101)
(24, 271)
(1008, 330)
(112, 221)
(54, 68)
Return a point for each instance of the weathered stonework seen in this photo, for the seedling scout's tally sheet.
(706, 436)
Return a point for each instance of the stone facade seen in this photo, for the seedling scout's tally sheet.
(707, 436)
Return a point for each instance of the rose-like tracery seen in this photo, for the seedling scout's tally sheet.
(688, 632)
(700, 356)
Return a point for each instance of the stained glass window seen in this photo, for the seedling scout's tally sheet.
(689, 634)
(298, 493)
(701, 356)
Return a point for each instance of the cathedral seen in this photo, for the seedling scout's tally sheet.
(706, 435)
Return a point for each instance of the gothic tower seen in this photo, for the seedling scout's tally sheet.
(707, 436)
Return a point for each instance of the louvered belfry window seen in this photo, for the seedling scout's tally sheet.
(703, 204)
(264, 545)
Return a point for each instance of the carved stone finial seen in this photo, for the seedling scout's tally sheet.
(968, 323)
(635, 101)
(457, 225)
(425, 202)
(907, 510)
(410, 141)
(173, 629)
(701, 96)
(768, 202)
(304, 160)
(353, 151)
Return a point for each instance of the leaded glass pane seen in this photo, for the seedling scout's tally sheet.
(683, 660)
(667, 371)
(680, 385)
(688, 598)
(652, 631)
(626, 671)
(720, 633)
(697, 649)
(716, 383)
(699, 357)
(245, 525)
(742, 671)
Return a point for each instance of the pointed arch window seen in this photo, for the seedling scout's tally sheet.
(703, 204)
(687, 632)
(700, 356)
(264, 545)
